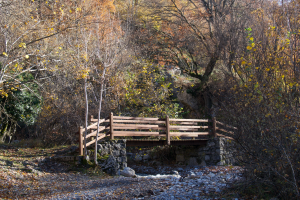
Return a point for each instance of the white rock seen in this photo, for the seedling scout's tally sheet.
(192, 175)
(128, 172)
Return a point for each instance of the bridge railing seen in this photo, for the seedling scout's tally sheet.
(225, 130)
(116, 126)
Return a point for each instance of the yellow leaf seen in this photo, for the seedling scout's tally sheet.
(251, 38)
(243, 62)
(5, 54)
(249, 48)
(22, 44)
(253, 44)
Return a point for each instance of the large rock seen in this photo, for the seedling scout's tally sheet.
(110, 166)
(128, 172)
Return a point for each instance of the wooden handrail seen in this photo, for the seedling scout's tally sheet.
(226, 125)
(190, 120)
(101, 128)
(138, 118)
(230, 132)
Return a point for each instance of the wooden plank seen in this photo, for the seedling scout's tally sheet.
(183, 129)
(226, 125)
(140, 121)
(194, 127)
(93, 141)
(184, 123)
(80, 141)
(190, 120)
(187, 133)
(137, 118)
(95, 127)
(96, 120)
(101, 128)
(230, 132)
(92, 126)
(224, 136)
(139, 126)
(184, 135)
(168, 130)
(136, 133)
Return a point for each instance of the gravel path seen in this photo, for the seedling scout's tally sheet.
(196, 183)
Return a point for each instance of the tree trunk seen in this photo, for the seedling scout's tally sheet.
(86, 116)
(99, 112)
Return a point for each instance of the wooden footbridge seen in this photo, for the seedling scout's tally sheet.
(158, 131)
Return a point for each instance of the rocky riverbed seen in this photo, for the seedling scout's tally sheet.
(185, 183)
(195, 182)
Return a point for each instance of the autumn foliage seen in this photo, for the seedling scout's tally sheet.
(61, 61)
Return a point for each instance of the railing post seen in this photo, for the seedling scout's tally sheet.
(91, 118)
(111, 126)
(80, 140)
(214, 127)
(168, 130)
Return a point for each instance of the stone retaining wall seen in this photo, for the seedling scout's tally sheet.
(112, 156)
(218, 151)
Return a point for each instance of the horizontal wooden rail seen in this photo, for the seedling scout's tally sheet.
(226, 125)
(101, 128)
(188, 127)
(224, 136)
(93, 141)
(138, 118)
(190, 120)
(136, 133)
(96, 120)
(226, 131)
(139, 121)
(139, 126)
(188, 134)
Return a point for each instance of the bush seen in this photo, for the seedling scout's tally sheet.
(262, 102)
